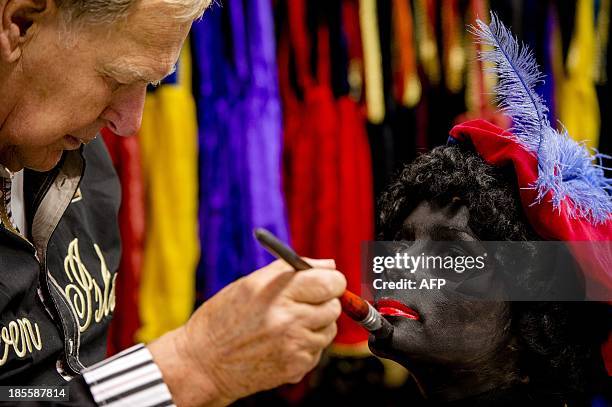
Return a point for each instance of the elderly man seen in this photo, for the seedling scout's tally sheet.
(67, 69)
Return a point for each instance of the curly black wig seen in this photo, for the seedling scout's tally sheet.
(559, 342)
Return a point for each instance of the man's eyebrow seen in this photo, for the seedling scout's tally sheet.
(132, 73)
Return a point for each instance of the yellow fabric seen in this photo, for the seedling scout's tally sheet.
(577, 104)
(169, 159)
(375, 98)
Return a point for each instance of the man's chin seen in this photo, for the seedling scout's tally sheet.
(44, 163)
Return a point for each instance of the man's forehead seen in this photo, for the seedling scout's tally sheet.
(151, 25)
(146, 46)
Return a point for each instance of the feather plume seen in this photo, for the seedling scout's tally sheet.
(566, 168)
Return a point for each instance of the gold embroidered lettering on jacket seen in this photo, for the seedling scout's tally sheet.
(21, 337)
(90, 302)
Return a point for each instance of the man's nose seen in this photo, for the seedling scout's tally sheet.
(124, 115)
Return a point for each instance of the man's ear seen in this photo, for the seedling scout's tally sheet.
(17, 19)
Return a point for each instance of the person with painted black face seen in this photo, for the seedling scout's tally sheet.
(464, 350)
(67, 69)
(527, 184)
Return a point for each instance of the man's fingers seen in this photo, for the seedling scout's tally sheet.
(272, 278)
(314, 341)
(327, 334)
(317, 317)
(321, 263)
(282, 265)
(278, 265)
(316, 286)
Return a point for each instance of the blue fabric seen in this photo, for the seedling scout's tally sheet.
(239, 120)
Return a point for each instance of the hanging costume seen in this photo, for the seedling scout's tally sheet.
(239, 121)
(578, 107)
(328, 180)
(125, 153)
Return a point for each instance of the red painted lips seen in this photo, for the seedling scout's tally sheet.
(389, 307)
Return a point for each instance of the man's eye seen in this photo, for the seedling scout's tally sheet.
(113, 84)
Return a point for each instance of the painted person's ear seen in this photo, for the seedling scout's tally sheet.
(17, 18)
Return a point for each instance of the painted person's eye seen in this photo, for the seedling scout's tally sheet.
(404, 234)
(455, 250)
(476, 285)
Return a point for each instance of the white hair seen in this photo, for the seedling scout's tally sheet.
(108, 11)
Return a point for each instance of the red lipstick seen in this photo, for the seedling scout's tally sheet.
(389, 307)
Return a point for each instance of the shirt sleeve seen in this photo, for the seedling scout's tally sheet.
(130, 378)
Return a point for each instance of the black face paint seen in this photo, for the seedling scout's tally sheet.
(457, 337)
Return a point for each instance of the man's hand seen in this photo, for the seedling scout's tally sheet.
(264, 330)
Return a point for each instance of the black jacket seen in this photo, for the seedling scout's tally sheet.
(57, 291)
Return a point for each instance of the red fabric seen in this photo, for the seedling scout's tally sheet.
(356, 205)
(328, 174)
(126, 158)
(350, 21)
(321, 104)
(498, 148)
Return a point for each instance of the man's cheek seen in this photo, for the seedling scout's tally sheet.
(40, 138)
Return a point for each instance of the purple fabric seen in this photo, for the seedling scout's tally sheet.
(240, 140)
(264, 129)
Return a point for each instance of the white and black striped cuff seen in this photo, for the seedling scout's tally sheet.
(130, 378)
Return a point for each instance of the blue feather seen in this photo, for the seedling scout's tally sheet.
(566, 168)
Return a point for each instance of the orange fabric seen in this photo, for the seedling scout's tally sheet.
(410, 85)
(453, 57)
(425, 17)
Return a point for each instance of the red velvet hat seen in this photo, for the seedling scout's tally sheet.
(550, 220)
